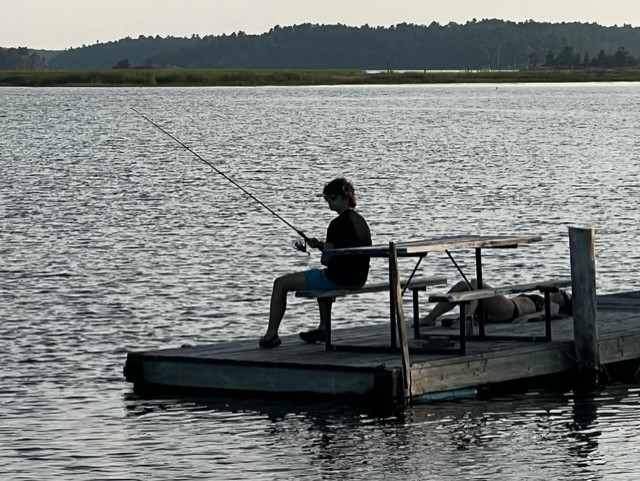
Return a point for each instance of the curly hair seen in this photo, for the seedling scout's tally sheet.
(342, 187)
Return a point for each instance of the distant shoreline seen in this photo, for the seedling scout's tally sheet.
(174, 77)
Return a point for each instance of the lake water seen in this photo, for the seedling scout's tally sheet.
(114, 238)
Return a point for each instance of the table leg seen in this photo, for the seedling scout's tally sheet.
(416, 315)
(547, 316)
(481, 313)
(327, 343)
(463, 328)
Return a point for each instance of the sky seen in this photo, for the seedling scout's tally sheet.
(60, 24)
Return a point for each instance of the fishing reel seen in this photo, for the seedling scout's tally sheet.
(301, 245)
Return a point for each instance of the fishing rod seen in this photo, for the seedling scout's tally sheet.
(298, 245)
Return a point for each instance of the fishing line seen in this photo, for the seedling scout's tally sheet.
(298, 245)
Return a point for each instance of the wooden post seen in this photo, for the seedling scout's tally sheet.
(392, 309)
(583, 283)
(394, 277)
(481, 310)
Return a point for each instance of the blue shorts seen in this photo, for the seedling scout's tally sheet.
(316, 280)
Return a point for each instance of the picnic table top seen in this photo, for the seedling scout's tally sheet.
(439, 244)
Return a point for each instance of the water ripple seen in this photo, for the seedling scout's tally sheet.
(113, 238)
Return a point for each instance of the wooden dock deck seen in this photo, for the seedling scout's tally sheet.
(296, 368)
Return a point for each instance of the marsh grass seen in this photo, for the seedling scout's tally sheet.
(255, 77)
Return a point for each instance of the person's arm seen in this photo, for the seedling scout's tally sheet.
(325, 259)
(321, 246)
(330, 241)
(315, 243)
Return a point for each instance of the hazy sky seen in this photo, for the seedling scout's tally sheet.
(59, 24)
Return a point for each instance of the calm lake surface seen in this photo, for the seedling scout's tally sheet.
(114, 238)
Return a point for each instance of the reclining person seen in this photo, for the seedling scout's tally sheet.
(520, 308)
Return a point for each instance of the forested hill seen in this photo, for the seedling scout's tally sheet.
(495, 44)
(137, 52)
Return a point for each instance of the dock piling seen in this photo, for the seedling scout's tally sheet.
(585, 328)
(397, 307)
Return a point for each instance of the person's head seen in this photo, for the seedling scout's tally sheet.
(563, 299)
(567, 303)
(340, 188)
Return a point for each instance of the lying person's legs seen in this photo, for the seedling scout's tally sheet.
(443, 307)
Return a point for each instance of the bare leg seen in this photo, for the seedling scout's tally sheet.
(443, 307)
(281, 286)
(322, 332)
(325, 304)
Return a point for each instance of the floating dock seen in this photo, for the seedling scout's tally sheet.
(299, 369)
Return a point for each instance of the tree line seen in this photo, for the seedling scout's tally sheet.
(569, 58)
(485, 44)
(21, 59)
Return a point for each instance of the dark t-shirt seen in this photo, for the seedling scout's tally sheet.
(349, 229)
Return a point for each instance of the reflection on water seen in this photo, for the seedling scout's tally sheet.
(113, 238)
(554, 435)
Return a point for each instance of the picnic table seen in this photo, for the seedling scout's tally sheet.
(420, 249)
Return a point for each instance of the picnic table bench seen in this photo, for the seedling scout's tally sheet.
(415, 286)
